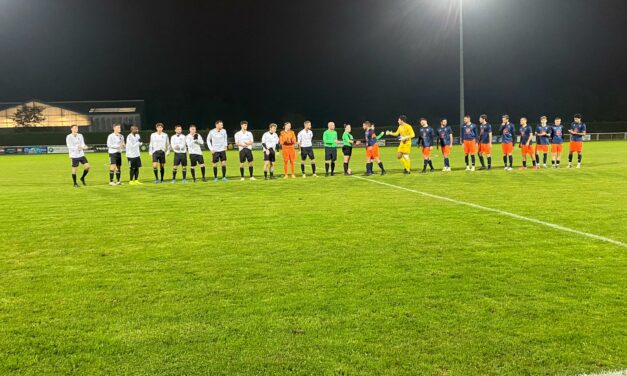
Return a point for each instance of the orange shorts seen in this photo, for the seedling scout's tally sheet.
(527, 150)
(372, 152)
(556, 148)
(507, 148)
(469, 146)
(542, 148)
(485, 149)
(575, 146)
(446, 150)
(289, 153)
(426, 152)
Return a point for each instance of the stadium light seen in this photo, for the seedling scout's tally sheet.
(461, 67)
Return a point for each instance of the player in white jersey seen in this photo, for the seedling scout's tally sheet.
(269, 142)
(158, 149)
(133, 152)
(115, 143)
(244, 141)
(178, 143)
(217, 142)
(194, 146)
(305, 145)
(76, 148)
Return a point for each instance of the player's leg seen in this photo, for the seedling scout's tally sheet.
(175, 168)
(303, 158)
(292, 154)
(559, 156)
(242, 159)
(193, 162)
(214, 160)
(118, 168)
(74, 168)
(184, 167)
(333, 159)
(489, 157)
(313, 164)
(481, 156)
(155, 168)
(250, 166)
(112, 167)
(223, 160)
(266, 167)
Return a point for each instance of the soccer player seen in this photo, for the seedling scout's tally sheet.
(329, 139)
(469, 139)
(347, 148)
(217, 142)
(425, 139)
(269, 141)
(115, 143)
(556, 135)
(485, 141)
(525, 144)
(542, 141)
(244, 141)
(288, 140)
(405, 133)
(194, 143)
(133, 143)
(445, 135)
(76, 148)
(178, 142)
(372, 147)
(159, 148)
(508, 134)
(305, 145)
(577, 131)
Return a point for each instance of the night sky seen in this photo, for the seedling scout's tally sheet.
(341, 60)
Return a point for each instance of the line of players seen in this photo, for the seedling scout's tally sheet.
(475, 139)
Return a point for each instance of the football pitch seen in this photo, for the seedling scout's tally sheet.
(458, 273)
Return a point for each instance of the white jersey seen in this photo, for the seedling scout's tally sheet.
(242, 138)
(304, 138)
(159, 142)
(194, 146)
(115, 143)
(270, 140)
(133, 143)
(178, 143)
(75, 145)
(217, 141)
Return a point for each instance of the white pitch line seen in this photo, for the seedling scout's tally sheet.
(622, 372)
(502, 212)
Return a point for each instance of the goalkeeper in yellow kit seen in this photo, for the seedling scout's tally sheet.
(405, 133)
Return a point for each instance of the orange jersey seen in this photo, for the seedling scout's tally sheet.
(287, 139)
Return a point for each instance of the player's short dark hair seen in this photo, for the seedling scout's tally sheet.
(484, 117)
(73, 125)
(243, 122)
(505, 116)
(577, 116)
(467, 116)
(443, 119)
(134, 127)
(403, 118)
(368, 123)
(423, 118)
(159, 125)
(218, 122)
(558, 118)
(523, 117)
(178, 126)
(192, 126)
(116, 124)
(346, 125)
(543, 117)
(272, 125)
(307, 122)
(286, 123)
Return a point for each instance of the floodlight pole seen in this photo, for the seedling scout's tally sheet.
(461, 67)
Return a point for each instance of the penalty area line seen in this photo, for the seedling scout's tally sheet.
(498, 211)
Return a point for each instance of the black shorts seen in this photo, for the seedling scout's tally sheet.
(306, 152)
(219, 156)
(158, 156)
(347, 150)
(115, 159)
(76, 161)
(245, 155)
(135, 162)
(195, 159)
(330, 154)
(270, 156)
(180, 159)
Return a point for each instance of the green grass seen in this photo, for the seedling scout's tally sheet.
(314, 276)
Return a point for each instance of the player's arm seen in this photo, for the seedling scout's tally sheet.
(451, 139)
(209, 143)
(396, 133)
(490, 138)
